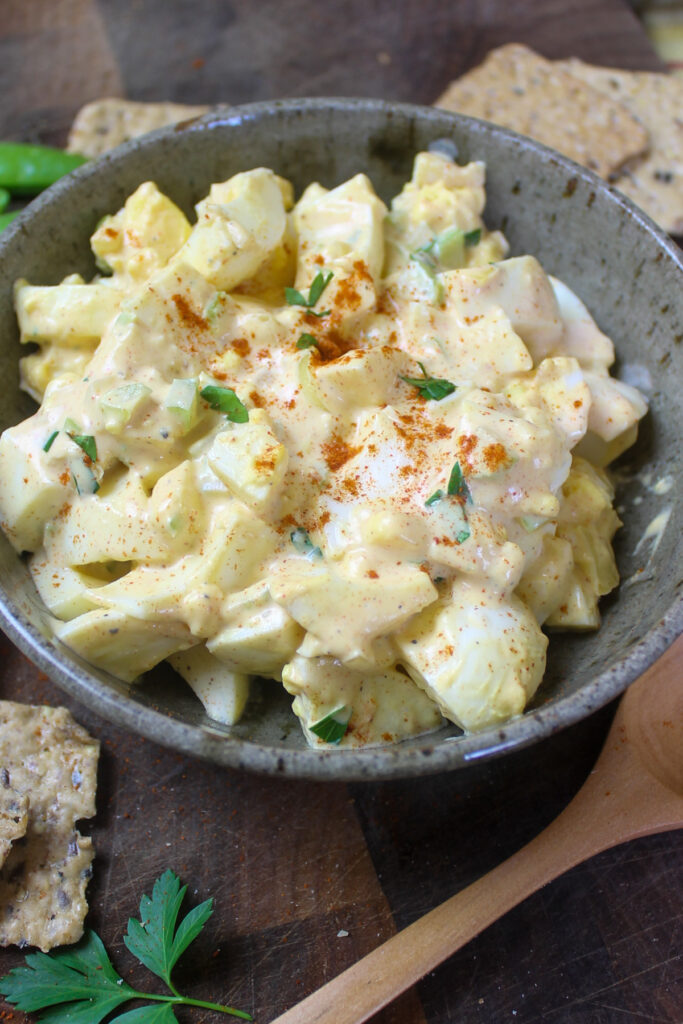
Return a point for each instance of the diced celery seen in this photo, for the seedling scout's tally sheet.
(181, 400)
(450, 249)
(119, 404)
(531, 523)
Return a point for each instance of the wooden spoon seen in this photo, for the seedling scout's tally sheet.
(635, 789)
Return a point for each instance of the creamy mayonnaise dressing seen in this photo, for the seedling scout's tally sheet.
(353, 449)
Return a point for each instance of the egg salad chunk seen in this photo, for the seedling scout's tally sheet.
(354, 448)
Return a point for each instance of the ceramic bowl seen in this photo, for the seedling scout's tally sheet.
(628, 273)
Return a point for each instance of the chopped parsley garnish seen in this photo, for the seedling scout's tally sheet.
(433, 498)
(303, 543)
(80, 983)
(430, 387)
(457, 488)
(306, 341)
(50, 441)
(318, 286)
(225, 400)
(473, 237)
(457, 485)
(332, 727)
(87, 444)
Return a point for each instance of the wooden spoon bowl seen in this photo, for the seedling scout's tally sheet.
(635, 789)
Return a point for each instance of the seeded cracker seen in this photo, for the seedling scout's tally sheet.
(13, 815)
(103, 124)
(655, 181)
(521, 90)
(50, 760)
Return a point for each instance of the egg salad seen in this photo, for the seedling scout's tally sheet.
(356, 450)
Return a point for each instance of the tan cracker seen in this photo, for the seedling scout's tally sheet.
(655, 181)
(13, 815)
(52, 761)
(521, 90)
(103, 124)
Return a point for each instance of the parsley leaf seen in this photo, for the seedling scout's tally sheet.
(79, 984)
(457, 488)
(306, 341)
(332, 727)
(457, 485)
(154, 939)
(145, 1015)
(433, 498)
(225, 400)
(318, 286)
(430, 387)
(69, 975)
(87, 443)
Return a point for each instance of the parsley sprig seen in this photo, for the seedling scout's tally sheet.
(318, 286)
(87, 444)
(332, 728)
(458, 488)
(225, 400)
(430, 387)
(306, 340)
(80, 985)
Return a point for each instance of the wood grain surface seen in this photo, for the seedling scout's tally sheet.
(308, 877)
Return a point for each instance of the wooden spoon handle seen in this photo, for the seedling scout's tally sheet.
(602, 814)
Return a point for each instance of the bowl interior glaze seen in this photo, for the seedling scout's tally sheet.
(627, 272)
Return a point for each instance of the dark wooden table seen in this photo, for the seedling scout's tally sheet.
(308, 877)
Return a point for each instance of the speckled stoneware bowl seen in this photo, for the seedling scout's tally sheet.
(628, 273)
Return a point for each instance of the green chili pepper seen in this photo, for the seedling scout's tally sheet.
(26, 169)
(4, 199)
(7, 218)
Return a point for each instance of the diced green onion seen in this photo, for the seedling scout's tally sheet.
(50, 441)
(83, 477)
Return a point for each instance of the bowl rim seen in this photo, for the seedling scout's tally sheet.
(432, 752)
